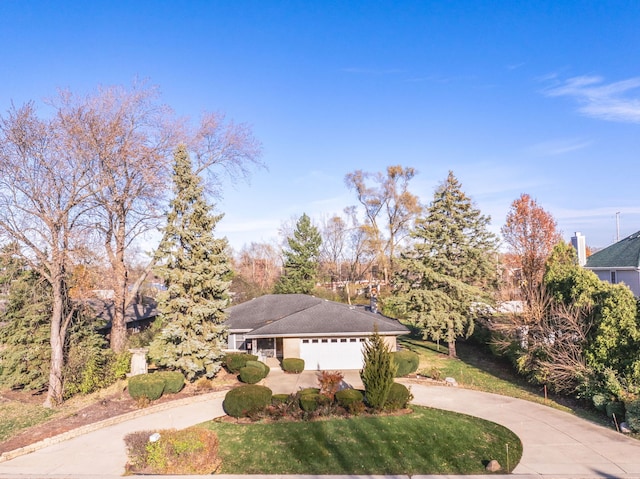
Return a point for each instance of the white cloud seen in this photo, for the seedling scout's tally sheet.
(559, 147)
(617, 101)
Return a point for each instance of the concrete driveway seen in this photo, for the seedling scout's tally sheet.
(556, 444)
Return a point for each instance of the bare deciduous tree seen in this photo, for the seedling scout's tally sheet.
(44, 190)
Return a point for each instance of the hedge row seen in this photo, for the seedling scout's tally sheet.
(153, 386)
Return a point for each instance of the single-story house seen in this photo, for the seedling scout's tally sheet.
(619, 263)
(138, 316)
(326, 334)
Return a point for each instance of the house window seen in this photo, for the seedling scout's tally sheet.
(334, 340)
(343, 340)
(362, 340)
(613, 277)
(353, 340)
(314, 340)
(305, 341)
(325, 341)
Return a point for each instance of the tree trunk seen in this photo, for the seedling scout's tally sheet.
(452, 349)
(54, 392)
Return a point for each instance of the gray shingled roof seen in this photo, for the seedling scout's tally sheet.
(301, 315)
(623, 254)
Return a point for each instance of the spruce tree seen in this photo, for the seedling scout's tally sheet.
(446, 273)
(196, 270)
(301, 259)
(378, 371)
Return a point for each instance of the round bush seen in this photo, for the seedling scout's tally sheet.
(617, 408)
(173, 381)
(309, 402)
(306, 391)
(246, 400)
(347, 397)
(259, 364)
(407, 362)
(251, 374)
(293, 365)
(633, 415)
(235, 361)
(150, 386)
(398, 398)
(279, 398)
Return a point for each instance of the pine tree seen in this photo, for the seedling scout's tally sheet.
(301, 259)
(442, 278)
(196, 270)
(378, 371)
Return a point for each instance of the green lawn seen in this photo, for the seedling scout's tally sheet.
(428, 441)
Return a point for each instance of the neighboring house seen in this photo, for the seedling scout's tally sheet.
(138, 317)
(326, 334)
(619, 263)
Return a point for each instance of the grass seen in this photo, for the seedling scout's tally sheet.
(15, 417)
(428, 441)
(476, 369)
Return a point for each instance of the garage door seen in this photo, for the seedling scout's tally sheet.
(332, 353)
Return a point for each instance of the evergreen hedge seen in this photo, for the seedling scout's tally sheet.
(251, 374)
(293, 365)
(406, 361)
(173, 381)
(235, 361)
(348, 397)
(259, 364)
(246, 400)
(150, 386)
(398, 398)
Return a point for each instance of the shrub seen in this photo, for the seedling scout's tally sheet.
(433, 373)
(330, 382)
(189, 451)
(235, 361)
(173, 381)
(600, 402)
(305, 391)
(251, 374)
(261, 365)
(378, 371)
(347, 398)
(633, 415)
(279, 398)
(398, 398)
(149, 386)
(406, 361)
(617, 408)
(309, 402)
(246, 400)
(293, 365)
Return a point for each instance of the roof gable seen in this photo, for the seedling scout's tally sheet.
(297, 314)
(623, 254)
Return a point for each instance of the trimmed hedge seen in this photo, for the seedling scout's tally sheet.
(407, 362)
(261, 365)
(150, 386)
(348, 397)
(309, 402)
(398, 398)
(235, 361)
(279, 398)
(173, 381)
(293, 365)
(246, 400)
(251, 374)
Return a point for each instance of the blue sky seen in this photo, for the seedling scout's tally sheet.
(514, 97)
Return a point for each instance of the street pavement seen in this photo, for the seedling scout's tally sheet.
(556, 444)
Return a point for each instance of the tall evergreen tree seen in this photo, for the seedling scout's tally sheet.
(452, 261)
(196, 270)
(301, 259)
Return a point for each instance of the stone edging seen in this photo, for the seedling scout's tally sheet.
(65, 436)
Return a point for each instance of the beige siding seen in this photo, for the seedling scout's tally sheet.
(391, 342)
(291, 347)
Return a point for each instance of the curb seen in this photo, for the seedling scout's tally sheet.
(65, 436)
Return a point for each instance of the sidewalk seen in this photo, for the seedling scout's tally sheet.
(556, 444)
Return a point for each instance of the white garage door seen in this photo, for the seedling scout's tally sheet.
(332, 353)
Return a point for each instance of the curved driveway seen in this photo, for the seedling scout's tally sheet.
(556, 444)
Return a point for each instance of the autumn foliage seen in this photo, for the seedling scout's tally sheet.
(530, 232)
